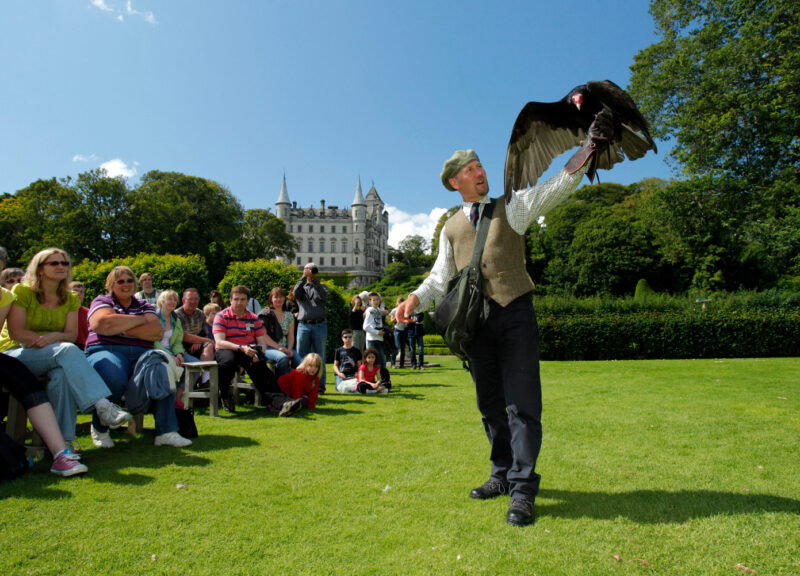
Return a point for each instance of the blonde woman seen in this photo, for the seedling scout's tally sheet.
(40, 332)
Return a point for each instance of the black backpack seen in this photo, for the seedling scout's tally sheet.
(271, 324)
(13, 462)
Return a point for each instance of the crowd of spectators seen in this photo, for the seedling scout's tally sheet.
(60, 358)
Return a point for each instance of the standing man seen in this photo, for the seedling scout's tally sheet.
(312, 331)
(504, 359)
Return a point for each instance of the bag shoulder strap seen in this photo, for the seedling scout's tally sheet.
(483, 231)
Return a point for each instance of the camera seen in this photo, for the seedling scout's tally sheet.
(314, 270)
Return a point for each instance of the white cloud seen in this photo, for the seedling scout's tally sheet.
(117, 167)
(101, 4)
(146, 15)
(82, 158)
(402, 224)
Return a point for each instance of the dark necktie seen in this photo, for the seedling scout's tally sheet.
(473, 214)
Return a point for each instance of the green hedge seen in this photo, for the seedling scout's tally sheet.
(168, 270)
(638, 335)
(652, 335)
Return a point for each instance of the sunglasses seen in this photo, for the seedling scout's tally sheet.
(122, 281)
(57, 263)
(347, 337)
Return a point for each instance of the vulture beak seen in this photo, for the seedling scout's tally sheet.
(577, 100)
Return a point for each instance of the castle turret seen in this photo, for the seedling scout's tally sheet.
(283, 205)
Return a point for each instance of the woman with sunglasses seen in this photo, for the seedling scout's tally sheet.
(122, 328)
(40, 332)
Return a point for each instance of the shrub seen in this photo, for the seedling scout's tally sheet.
(260, 276)
(168, 270)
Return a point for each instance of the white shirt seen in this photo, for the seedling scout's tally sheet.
(524, 207)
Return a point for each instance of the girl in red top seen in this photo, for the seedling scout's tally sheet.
(303, 380)
(369, 372)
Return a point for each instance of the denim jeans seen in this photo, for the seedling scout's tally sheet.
(283, 364)
(415, 342)
(73, 384)
(401, 343)
(348, 385)
(313, 338)
(378, 345)
(115, 364)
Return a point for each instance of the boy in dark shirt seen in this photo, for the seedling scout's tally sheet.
(345, 363)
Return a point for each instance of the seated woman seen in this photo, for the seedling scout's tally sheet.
(172, 338)
(122, 329)
(279, 325)
(303, 380)
(41, 328)
(27, 389)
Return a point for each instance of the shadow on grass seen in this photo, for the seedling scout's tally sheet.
(658, 506)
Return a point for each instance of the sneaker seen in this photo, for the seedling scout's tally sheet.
(102, 439)
(172, 439)
(67, 464)
(110, 414)
(227, 401)
(381, 390)
(291, 407)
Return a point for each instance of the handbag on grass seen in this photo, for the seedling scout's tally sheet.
(186, 425)
(460, 313)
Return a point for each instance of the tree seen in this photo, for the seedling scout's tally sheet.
(46, 213)
(264, 235)
(413, 251)
(723, 82)
(176, 213)
(438, 231)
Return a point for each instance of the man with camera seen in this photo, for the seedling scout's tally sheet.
(241, 340)
(312, 330)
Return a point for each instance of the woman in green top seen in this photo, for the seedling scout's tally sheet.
(40, 332)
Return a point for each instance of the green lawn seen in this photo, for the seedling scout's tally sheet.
(675, 467)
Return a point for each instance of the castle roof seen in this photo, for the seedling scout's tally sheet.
(358, 200)
(284, 196)
(373, 195)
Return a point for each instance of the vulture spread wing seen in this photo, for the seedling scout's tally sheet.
(545, 130)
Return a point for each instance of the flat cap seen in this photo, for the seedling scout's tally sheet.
(456, 162)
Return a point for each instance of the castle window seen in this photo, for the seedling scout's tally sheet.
(299, 227)
(356, 260)
(310, 245)
(310, 227)
(333, 245)
(298, 260)
(344, 245)
(333, 229)
(322, 261)
(333, 261)
(356, 244)
(344, 261)
(322, 229)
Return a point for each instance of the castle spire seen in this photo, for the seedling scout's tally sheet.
(284, 196)
(358, 200)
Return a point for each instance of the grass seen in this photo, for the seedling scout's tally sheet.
(684, 466)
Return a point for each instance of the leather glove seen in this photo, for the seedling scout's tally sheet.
(597, 140)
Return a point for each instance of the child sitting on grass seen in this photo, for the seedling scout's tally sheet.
(303, 380)
(368, 374)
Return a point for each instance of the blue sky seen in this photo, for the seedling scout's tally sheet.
(243, 92)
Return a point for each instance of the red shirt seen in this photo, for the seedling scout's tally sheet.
(297, 383)
(241, 330)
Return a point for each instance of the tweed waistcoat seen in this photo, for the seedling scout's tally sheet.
(503, 260)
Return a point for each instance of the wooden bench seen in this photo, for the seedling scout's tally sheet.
(190, 392)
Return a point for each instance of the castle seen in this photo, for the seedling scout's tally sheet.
(353, 241)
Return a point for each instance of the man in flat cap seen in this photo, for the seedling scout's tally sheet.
(504, 357)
